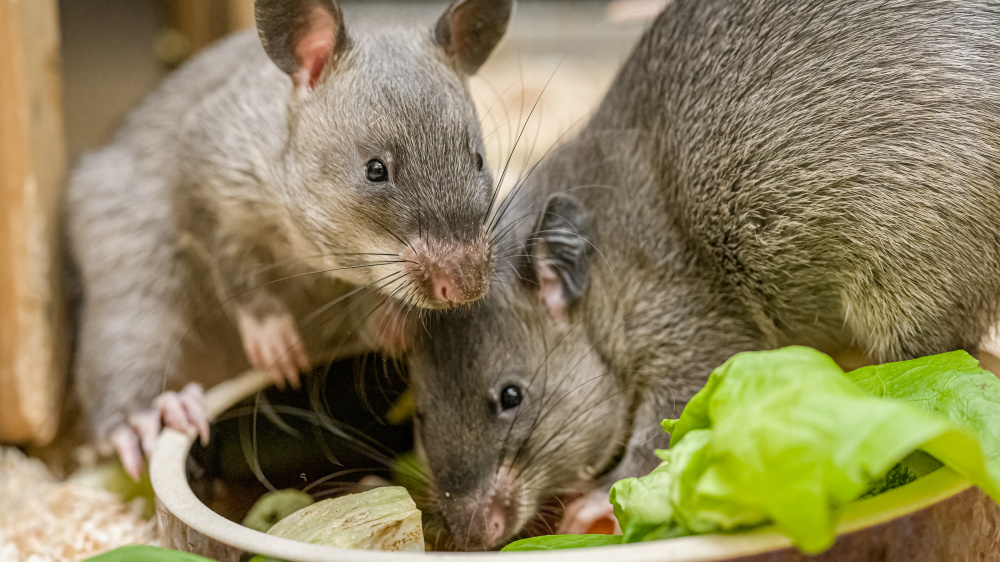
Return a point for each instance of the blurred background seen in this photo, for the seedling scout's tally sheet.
(114, 51)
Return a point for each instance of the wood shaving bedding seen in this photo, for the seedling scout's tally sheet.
(44, 520)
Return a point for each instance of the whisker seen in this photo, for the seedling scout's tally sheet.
(503, 174)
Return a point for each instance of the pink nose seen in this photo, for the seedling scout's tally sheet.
(495, 525)
(445, 289)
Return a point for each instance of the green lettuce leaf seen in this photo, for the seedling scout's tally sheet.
(791, 440)
(643, 506)
(379, 519)
(952, 385)
(785, 437)
(275, 506)
(560, 542)
(136, 553)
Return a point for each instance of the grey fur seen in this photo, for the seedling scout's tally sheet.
(761, 173)
(228, 181)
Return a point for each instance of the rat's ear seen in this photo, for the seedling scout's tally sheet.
(302, 37)
(471, 29)
(560, 253)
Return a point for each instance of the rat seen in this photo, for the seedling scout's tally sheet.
(293, 178)
(761, 173)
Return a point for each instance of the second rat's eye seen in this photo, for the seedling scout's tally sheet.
(479, 161)
(510, 397)
(376, 171)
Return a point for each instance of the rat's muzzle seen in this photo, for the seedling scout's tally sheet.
(486, 519)
(446, 274)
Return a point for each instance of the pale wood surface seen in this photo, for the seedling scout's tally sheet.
(194, 24)
(32, 156)
(200, 22)
(240, 14)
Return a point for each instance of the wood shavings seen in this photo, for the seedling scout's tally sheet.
(44, 520)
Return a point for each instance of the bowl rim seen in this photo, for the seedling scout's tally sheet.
(168, 476)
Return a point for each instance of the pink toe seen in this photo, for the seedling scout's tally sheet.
(174, 414)
(147, 427)
(127, 446)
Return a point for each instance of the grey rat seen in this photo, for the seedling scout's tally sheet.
(296, 178)
(761, 173)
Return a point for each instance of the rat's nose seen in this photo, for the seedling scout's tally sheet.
(449, 274)
(445, 289)
(495, 525)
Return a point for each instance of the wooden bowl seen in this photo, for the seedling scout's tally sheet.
(937, 518)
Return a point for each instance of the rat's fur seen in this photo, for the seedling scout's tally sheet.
(231, 185)
(761, 173)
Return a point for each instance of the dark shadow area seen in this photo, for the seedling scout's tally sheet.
(323, 438)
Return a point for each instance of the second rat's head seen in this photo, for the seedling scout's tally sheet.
(384, 169)
(515, 407)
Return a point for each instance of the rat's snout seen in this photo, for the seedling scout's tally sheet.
(495, 524)
(486, 518)
(446, 274)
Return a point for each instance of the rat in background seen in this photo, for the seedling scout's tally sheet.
(761, 173)
(295, 178)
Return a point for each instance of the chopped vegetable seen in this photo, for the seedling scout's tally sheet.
(275, 506)
(380, 519)
(559, 542)
(785, 437)
(402, 410)
(137, 553)
(110, 476)
(408, 472)
(897, 476)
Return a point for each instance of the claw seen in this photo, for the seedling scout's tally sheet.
(127, 445)
(183, 411)
(273, 345)
(193, 400)
(146, 425)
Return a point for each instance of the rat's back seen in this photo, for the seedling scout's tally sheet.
(838, 160)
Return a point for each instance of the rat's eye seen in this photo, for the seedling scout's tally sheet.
(510, 397)
(376, 171)
(479, 161)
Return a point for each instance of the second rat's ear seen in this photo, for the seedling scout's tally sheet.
(560, 254)
(471, 29)
(302, 37)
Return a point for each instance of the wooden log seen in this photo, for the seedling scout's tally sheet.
(32, 163)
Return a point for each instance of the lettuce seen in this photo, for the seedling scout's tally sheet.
(952, 385)
(136, 553)
(786, 437)
(275, 506)
(560, 542)
(378, 519)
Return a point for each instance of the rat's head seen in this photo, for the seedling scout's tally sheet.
(384, 168)
(515, 407)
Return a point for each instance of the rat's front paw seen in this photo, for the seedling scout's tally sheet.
(589, 514)
(183, 411)
(272, 344)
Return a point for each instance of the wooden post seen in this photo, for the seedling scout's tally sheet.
(194, 24)
(240, 14)
(32, 163)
